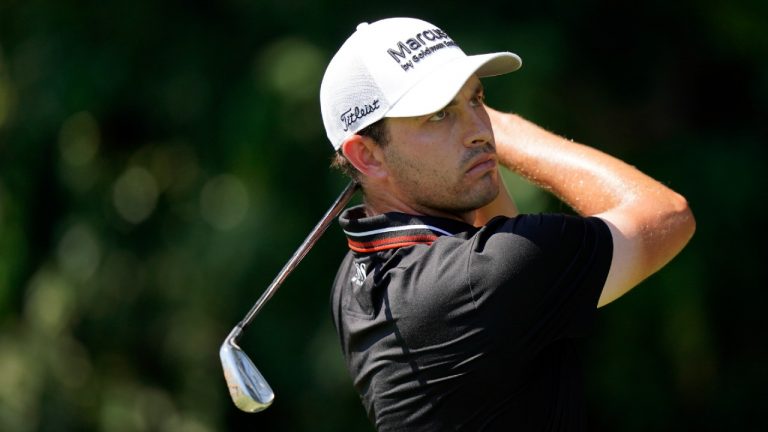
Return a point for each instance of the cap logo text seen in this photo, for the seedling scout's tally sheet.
(419, 41)
(356, 113)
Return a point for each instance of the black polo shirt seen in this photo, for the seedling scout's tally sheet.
(445, 326)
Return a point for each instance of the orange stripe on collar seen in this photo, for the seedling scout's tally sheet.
(391, 243)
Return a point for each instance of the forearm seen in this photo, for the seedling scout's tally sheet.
(586, 179)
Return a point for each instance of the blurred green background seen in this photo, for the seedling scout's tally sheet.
(161, 160)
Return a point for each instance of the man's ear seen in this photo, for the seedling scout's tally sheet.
(365, 155)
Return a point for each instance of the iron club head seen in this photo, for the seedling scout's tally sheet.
(247, 386)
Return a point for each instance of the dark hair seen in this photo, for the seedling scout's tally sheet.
(377, 132)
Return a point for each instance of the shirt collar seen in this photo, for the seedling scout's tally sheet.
(394, 230)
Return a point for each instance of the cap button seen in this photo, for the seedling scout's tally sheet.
(362, 25)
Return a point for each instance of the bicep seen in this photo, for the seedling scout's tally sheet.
(626, 269)
(643, 242)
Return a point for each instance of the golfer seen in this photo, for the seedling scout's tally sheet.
(455, 312)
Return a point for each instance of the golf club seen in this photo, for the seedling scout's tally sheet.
(249, 390)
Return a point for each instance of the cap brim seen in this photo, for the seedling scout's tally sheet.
(437, 89)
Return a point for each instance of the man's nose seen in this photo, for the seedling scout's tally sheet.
(478, 127)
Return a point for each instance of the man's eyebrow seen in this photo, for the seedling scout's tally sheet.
(479, 90)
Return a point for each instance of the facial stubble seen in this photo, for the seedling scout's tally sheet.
(439, 190)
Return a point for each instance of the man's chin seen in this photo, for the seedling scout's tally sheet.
(489, 200)
(490, 192)
(480, 198)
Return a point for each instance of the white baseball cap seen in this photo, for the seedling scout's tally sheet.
(398, 67)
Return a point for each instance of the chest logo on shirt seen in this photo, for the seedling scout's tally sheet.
(360, 274)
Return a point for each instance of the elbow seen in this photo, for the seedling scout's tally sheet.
(684, 221)
(690, 223)
(670, 234)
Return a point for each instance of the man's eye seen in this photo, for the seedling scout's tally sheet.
(478, 100)
(438, 115)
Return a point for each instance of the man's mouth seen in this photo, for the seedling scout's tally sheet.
(481, 164)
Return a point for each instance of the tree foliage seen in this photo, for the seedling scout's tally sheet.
(160, 161)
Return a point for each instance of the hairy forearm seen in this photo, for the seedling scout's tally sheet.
(588, 180)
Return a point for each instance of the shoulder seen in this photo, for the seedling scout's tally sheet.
(540, 247)
(543, 231)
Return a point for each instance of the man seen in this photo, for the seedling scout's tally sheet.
(455, 312)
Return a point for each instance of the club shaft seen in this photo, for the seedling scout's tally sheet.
(310, 241)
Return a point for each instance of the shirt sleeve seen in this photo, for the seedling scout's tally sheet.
(538, 278)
